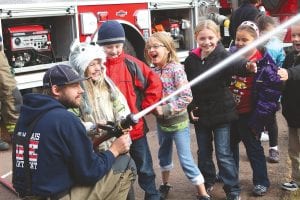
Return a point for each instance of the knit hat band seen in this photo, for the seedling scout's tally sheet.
(111, 41)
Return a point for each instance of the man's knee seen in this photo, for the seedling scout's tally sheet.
(124, 163)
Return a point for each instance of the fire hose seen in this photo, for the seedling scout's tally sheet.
(114, 129)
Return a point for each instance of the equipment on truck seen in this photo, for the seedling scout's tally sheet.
(28, 45)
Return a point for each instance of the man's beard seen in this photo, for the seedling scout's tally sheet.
(67, 102)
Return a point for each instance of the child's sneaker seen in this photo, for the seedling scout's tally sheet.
(203, 197)
(3, 145)
(273, 156)
(259, 190)
(209, 189)
(233, 197)
(164, 190)
(290, 186)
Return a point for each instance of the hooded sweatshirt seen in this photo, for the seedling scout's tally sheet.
(61, 154)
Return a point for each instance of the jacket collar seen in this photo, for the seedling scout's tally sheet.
(117, 60)
(215, 52)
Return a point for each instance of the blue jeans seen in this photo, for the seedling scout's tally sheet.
(141, 155)
(240, 131)
(227, 168)
(183, 146)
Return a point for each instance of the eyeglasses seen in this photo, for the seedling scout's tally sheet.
(156, 46)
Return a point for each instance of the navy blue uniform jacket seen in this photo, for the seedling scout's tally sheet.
(61, 154)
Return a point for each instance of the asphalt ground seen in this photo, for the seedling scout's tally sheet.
(182, 188)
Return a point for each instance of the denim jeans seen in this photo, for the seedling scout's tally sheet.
(141, 155)
(183, 146)
(220, 134)
(240, 131)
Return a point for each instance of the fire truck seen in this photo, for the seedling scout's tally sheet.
(36, 34)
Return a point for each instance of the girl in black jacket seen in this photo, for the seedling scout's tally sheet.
(213, 106)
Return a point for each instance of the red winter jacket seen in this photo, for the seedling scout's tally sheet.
(139, 84)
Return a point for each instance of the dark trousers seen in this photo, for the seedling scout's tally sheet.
(272, 129)
(240, 131)
(141, 155)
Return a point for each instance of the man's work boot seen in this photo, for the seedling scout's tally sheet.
(3, 145)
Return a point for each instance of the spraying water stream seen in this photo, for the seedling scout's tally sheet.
(220, 65)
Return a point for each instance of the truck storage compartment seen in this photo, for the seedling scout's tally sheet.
(178, 22)
(31, 42)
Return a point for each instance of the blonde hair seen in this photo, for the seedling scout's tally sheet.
(168, 43)
(207, 24)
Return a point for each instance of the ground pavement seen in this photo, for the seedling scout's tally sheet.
(182, 188)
